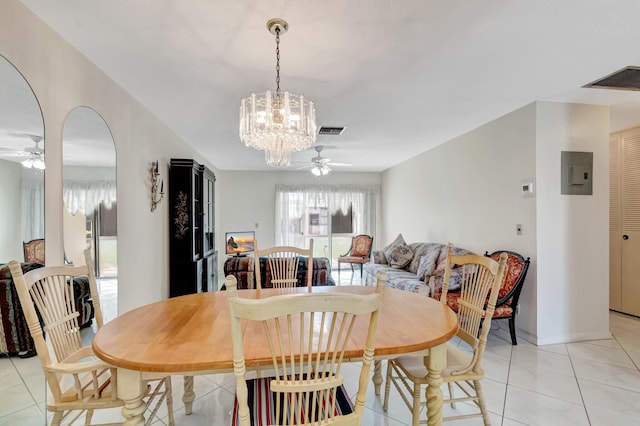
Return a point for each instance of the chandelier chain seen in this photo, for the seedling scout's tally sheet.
(278, 61)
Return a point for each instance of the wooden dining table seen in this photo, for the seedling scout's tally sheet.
(190, 335)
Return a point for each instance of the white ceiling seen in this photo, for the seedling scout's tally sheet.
(403, 76)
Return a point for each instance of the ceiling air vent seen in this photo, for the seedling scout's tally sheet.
(334, 131)
(627, 78)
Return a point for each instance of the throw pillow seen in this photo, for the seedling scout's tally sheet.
(442, 259)
(399, 254)
(379, 257)
(428, 263)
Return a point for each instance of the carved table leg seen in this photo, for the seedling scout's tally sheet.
(189, 395)
(435, 362)
(377, 376)
(130, 390)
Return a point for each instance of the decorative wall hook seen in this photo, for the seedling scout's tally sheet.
(156, 196)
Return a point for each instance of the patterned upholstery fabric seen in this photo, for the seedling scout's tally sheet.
(428, 261)
(34, 251)
(399, 254)
(242, 267)
(512, 274)
(379, 257)
(408, 278)
(13, 325)
(361, 246)
(262, 403)
(419, 250)
(396, 278)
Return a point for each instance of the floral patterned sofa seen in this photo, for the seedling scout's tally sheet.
(242, 267)
(14, 333)
(415, 267)
(419, 268)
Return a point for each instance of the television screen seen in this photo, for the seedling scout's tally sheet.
(239, 243)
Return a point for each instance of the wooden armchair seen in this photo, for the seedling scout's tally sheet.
(359, 252)
(79, 383)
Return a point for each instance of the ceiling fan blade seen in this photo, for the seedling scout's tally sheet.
(340, 164)
(304, 167)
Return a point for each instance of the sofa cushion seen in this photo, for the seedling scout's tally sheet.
(396, 278)
(379, 257)
(419, 250)
(442, 259)
(428, 263)
(399, 254)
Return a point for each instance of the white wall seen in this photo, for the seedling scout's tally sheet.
(11, 211)
(62, 79)
(573, 230)
(467, 192)
(246, 198)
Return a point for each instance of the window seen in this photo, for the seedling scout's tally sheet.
(330, 214)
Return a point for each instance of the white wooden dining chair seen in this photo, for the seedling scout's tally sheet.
(481, 278)
(282, 265)
(79, 383)
(307, 388)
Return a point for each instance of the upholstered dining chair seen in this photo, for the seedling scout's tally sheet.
(359, 253)
(307, 388)
(79, 383)
(282, 263)
(481, 277)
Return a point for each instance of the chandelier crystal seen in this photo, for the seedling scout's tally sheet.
(277, 123)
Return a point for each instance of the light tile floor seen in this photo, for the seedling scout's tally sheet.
(586, 383)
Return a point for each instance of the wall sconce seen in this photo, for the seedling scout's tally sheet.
(156, 196)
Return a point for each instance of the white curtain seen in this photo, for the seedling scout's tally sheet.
(292, 201)
(32, 209)
(87, 195)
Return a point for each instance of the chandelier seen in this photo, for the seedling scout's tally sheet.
(277, 123)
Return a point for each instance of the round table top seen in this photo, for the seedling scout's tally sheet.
(192, 333)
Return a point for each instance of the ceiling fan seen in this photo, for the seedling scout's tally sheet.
(34, 154)
(320, 165)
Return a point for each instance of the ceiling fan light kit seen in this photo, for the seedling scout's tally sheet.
(36, 159)
(320, 170)
(277, 123)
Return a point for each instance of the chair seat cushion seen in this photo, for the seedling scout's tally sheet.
(502, 311)
(262, 403)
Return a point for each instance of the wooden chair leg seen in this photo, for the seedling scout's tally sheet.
(481, 403)
(57, 418)
(168, 389)
(387, 388)
(450, 385)
(415, 408)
